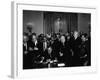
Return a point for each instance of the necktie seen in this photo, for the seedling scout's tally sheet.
(25, 44)
(44, 45)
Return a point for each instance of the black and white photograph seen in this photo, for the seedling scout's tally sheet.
(53, 39)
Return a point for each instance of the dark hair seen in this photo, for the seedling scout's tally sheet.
(34, 34)
(25, 34)
(84, 34)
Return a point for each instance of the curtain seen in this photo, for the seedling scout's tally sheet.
(59, 22)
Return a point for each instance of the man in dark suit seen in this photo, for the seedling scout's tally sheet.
(26, 61)
(75, 43)
(65, 54)
(49, 57)
(56, 46)
(84, 51)
(35, 48)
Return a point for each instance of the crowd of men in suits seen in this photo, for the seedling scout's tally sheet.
(72, 49)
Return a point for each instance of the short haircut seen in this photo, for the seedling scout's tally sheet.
(25, 34)
(34, 34)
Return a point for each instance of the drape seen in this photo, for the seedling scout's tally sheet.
(68, 22)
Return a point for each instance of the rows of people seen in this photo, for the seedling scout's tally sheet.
(72, 49)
